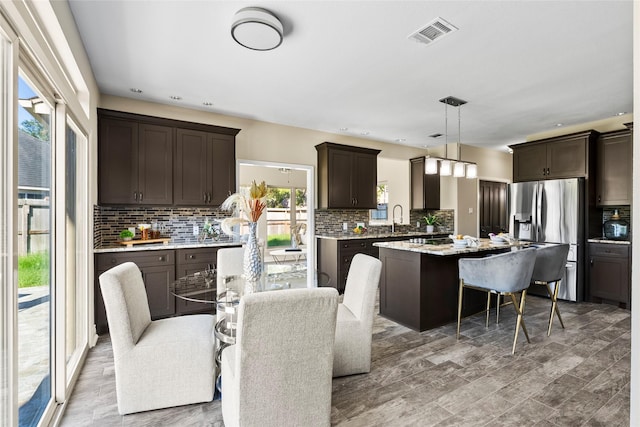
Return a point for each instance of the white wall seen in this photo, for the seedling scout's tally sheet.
(397, 175)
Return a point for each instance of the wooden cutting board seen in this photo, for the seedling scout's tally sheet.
(130, 243)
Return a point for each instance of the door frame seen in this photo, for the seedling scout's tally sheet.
(311, 199)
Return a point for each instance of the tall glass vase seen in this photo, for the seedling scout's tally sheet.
(252, 259)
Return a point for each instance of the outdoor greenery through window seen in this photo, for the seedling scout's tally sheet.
(381, 213)
(283, 212)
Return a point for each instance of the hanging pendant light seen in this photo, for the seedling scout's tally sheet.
(448, 167)
(445, 167)
(472, 171)
(431, 166)
(458, 170)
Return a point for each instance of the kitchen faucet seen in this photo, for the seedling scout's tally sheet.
(393, 219)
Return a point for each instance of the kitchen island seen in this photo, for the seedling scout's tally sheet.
(336, 250)
(419, 282)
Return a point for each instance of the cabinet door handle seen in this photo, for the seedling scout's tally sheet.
(160, 258)
(141, 196)
(548, 171)
(229, 193)
(135, 196)
(591, 261)
(192, 257)
(208, 197)
(204, 197)
(544, 171)
(599, 198)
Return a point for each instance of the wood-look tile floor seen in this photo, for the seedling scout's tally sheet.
(577, 377)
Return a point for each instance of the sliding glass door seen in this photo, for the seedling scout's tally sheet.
(35, 255)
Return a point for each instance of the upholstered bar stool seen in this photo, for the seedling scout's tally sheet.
(502, 274)
(549, 270)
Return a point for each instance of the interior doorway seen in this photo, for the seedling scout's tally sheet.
(493, 208)
(292, 190)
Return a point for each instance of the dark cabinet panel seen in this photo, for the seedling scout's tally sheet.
(347, 176)
(117, 161)
(567, 156)
(364, 180)
(223, 167)
(189, 261)
(190, 179)
(425, 189)
(335, 256)
(609, 273)
(529, 162)
(615, 168)
(155, 161)
(205, 168)
(158, 273)
(134, 163)
(155, 171)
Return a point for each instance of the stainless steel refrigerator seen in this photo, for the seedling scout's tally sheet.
(552, 212)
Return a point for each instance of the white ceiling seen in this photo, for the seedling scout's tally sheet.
(523, 66)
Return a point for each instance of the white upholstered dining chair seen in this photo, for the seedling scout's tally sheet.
(354, 325)
(160, 363)
(279, 371)
(229, 263)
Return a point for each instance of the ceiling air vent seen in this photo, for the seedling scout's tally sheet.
(433, 31)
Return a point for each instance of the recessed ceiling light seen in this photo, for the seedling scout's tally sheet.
(365, 133)
(621, 113)
(344, 129)
(135, 90)
(559, 124)
(175, 98)
(207, 104)
(400, 139)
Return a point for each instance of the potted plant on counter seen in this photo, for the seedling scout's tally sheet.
(431, 220)
(126, 235)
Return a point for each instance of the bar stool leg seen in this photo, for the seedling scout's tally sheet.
(459, 307)
(488, 307)
(554, 306)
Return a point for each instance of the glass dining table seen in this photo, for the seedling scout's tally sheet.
(224, 293)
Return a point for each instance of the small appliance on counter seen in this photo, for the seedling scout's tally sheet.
(616, 228)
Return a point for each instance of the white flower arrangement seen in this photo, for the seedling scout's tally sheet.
(246, 207)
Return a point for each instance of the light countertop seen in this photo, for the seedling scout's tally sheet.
(160, 247)
(446, 249)
(349, 235)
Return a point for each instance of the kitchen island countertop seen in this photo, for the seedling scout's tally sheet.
(349, 235)
(447, 248)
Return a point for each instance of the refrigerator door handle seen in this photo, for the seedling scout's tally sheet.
(541, 238)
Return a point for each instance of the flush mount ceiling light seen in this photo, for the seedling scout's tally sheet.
(257, 29)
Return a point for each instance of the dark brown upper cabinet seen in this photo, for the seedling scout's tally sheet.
(134, 163)
(615, 168)
(205, 171)
(347, 176)
(425, 189)
(566, 156)
(155, 161)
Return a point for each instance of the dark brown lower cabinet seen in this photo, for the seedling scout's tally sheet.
(159, 268)
(609, 273)
(335, 255)
(158, 273)
(420, 291)
(189, 261)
